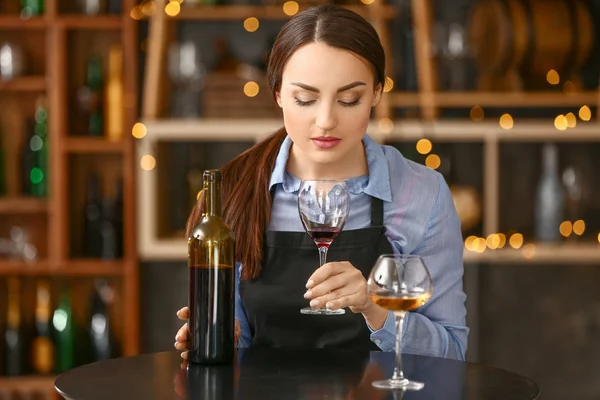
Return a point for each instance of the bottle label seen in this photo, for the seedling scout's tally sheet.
(43, 355)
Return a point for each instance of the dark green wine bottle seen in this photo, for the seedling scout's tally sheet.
(64, 329)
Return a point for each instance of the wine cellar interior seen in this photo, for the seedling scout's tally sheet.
(110, 111)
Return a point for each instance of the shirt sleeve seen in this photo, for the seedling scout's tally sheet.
(439, 327)
(245, 339)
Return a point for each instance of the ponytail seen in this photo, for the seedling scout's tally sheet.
(247, 201)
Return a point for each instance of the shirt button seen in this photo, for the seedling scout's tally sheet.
(378, 341)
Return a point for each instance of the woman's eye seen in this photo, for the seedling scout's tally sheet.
(303, 103)
(351, 103)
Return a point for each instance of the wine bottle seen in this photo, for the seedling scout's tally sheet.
(14, 355)
(92, 236)
(2, 169)
(90, 97)
(43, 347)
(64, 327)
(550, 197)
(114, 94)
(38, 144)
(211, 262)
(31, 7)
(102, 345)
(28, 161)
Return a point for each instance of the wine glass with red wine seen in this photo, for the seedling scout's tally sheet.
(323, 206)
(399, 283)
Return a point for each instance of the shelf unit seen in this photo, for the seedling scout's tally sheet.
(384, 127)
(57, 55)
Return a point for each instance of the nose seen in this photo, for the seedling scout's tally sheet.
(326, 118)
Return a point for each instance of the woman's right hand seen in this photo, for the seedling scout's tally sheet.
(181, 339)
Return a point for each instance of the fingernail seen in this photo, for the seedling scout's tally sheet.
(309, 284)
(308, 294)
(177, 338)
(329, 306)
(314, 303)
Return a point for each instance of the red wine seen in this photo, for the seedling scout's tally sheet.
(211, 327)
(323, 236)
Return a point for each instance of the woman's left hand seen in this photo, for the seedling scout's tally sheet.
(338, 285)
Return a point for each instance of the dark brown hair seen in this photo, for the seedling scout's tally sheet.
(246, 197)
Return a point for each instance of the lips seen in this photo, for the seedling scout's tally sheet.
(326, 142)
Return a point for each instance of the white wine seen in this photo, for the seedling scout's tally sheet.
(401, 302)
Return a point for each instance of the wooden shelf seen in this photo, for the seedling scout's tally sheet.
(14, 21)
(105, 22)
(23, 84)
(27, 383)
(543, 254)
(494, 99)
(234, 13)
(94, 145)
(69, 268)
(23, 205)
(454, 130)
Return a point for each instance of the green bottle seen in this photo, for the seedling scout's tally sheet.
(39, 147)
(95, 101)
(64, 329)
(32, 7)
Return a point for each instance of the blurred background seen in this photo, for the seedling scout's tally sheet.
(111, 109)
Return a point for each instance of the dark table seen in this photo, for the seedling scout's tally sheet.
(289, 374)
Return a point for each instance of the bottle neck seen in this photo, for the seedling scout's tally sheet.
(550, 159)
(212, 198)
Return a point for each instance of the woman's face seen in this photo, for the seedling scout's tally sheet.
(326, 97)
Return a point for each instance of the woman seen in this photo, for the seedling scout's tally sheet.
(326, 71)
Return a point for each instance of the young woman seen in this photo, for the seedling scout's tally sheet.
(326, 71)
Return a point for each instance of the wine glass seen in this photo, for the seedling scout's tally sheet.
(399, 283)
(323, 206)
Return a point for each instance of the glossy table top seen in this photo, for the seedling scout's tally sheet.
(289, 374)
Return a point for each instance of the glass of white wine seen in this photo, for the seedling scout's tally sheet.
(399, 283)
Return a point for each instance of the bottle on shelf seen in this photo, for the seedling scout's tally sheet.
(38, 145)
(42, 349)
(28, 161)
(114, 94)
(92, 7)
(90, 97)
(211, 280)
(31, 8)
(64, 328)
(14, 349)
(103, 345)
(2, 168)
(549, 203)
(92, 231)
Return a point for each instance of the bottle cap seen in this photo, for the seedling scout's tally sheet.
(212, 175)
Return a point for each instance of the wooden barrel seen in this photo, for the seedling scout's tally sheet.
(531, 36)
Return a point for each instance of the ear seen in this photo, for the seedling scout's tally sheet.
(378, 94)
(278, 98)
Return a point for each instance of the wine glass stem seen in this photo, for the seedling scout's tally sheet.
(322, 255)
(398, 374)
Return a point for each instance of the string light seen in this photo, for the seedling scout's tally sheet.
(424, 146)
(251, 24)
(172, 9)
(516, 241)
(469, 242)
(493, 241)
(502, 239)
(585, 113)
(565, 228)
(552, 77)
(251, 89)
(479, 245)
(506, 121)
(529, 250)
(148, 162)
(571, 120)
(433, 161)
(136, 13)
(139, 130)
(477, 113)
(149, 8)
(367, 1)
(560, 122)
(579, 227)
(389, 84)
(290, 8)
(599, 238)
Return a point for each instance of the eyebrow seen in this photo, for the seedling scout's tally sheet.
(343, 88)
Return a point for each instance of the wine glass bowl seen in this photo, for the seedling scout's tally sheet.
(323, 206)
(399, 283)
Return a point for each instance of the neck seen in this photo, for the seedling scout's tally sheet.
(212, 199)
(351, 165)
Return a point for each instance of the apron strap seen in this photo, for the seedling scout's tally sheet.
(376, 211)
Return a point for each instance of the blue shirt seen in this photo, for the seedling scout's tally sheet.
(420, 218)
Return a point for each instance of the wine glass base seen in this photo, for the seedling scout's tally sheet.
(322, 311)
(400, 384)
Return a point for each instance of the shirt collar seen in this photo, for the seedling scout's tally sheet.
(376, 184)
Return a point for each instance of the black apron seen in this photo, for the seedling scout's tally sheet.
(273, 300)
